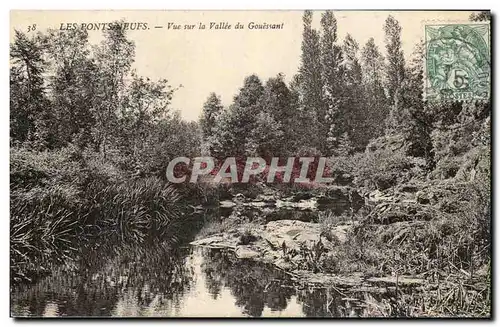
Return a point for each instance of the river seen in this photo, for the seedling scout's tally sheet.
(157, 280)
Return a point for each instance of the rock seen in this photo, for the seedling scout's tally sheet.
(341, 232)
(301, 196)
(303, 204)
(377, 196)
(283, 264)
(307, 204)
(393, 280)
(387, 142)
(327, 279)
(293, 232)
(426, 197)
(409, 188)
(344, 179)
(266, 198)
(246, 252)
(390, 213)
(239, 197)
(336, 194)
(258, 204)
(217, 241)
(226, 204)
(422, 198)
(279, 242)
(357, 201)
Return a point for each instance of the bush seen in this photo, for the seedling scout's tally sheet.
(446, 168)
(44, 225)
(108, 169)
(342, 169)
(135, 207)
(60, 199)
(385, 168)
(29, 169)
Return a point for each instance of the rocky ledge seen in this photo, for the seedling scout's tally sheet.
(292, 245)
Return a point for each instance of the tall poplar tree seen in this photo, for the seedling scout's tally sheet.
(211, 110)
(332, 113)
(395, 70)
(375, 103)
(311, 85)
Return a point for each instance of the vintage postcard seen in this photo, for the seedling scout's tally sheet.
(180, 164)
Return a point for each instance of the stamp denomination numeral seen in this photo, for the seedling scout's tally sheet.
(461, 79)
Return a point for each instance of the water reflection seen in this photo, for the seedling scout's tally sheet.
(253, 285)
(161, 282)
(104, 282)
(164, 280)
(334, 202)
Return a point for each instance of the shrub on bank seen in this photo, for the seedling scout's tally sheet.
(386, 168)
(29, 169)
(60, 199)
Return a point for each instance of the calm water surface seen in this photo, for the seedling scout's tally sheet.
(158, 281)
(203, 283)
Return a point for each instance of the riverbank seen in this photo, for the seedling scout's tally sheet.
(62, 201)
(424, 245)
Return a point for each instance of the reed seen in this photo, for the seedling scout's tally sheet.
(56, 214)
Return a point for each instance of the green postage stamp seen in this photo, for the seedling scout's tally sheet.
(457, 61)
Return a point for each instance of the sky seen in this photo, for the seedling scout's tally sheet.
(216, 60)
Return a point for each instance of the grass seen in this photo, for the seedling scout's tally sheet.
(247, 237)
(458, 301)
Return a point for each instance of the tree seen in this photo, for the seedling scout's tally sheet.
(144, 103)
(277, 98)
(30, 112)
(235, 126)
(333, 117)
(345, 147)
(168, 138)
(375, 103)
(278, 103)
(311, 85)
(416, 121)
(298, 136)
(267, 138)
(395, 70)
(351, 63)
(114, 58)
(211, 110)
(354, 113)
(250, 95)
(372, 65)
(332, 113)
(65, 92)
(222, 142)
(72, 85)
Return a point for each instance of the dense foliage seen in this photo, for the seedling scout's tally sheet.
(90, 141)
(91, 138)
